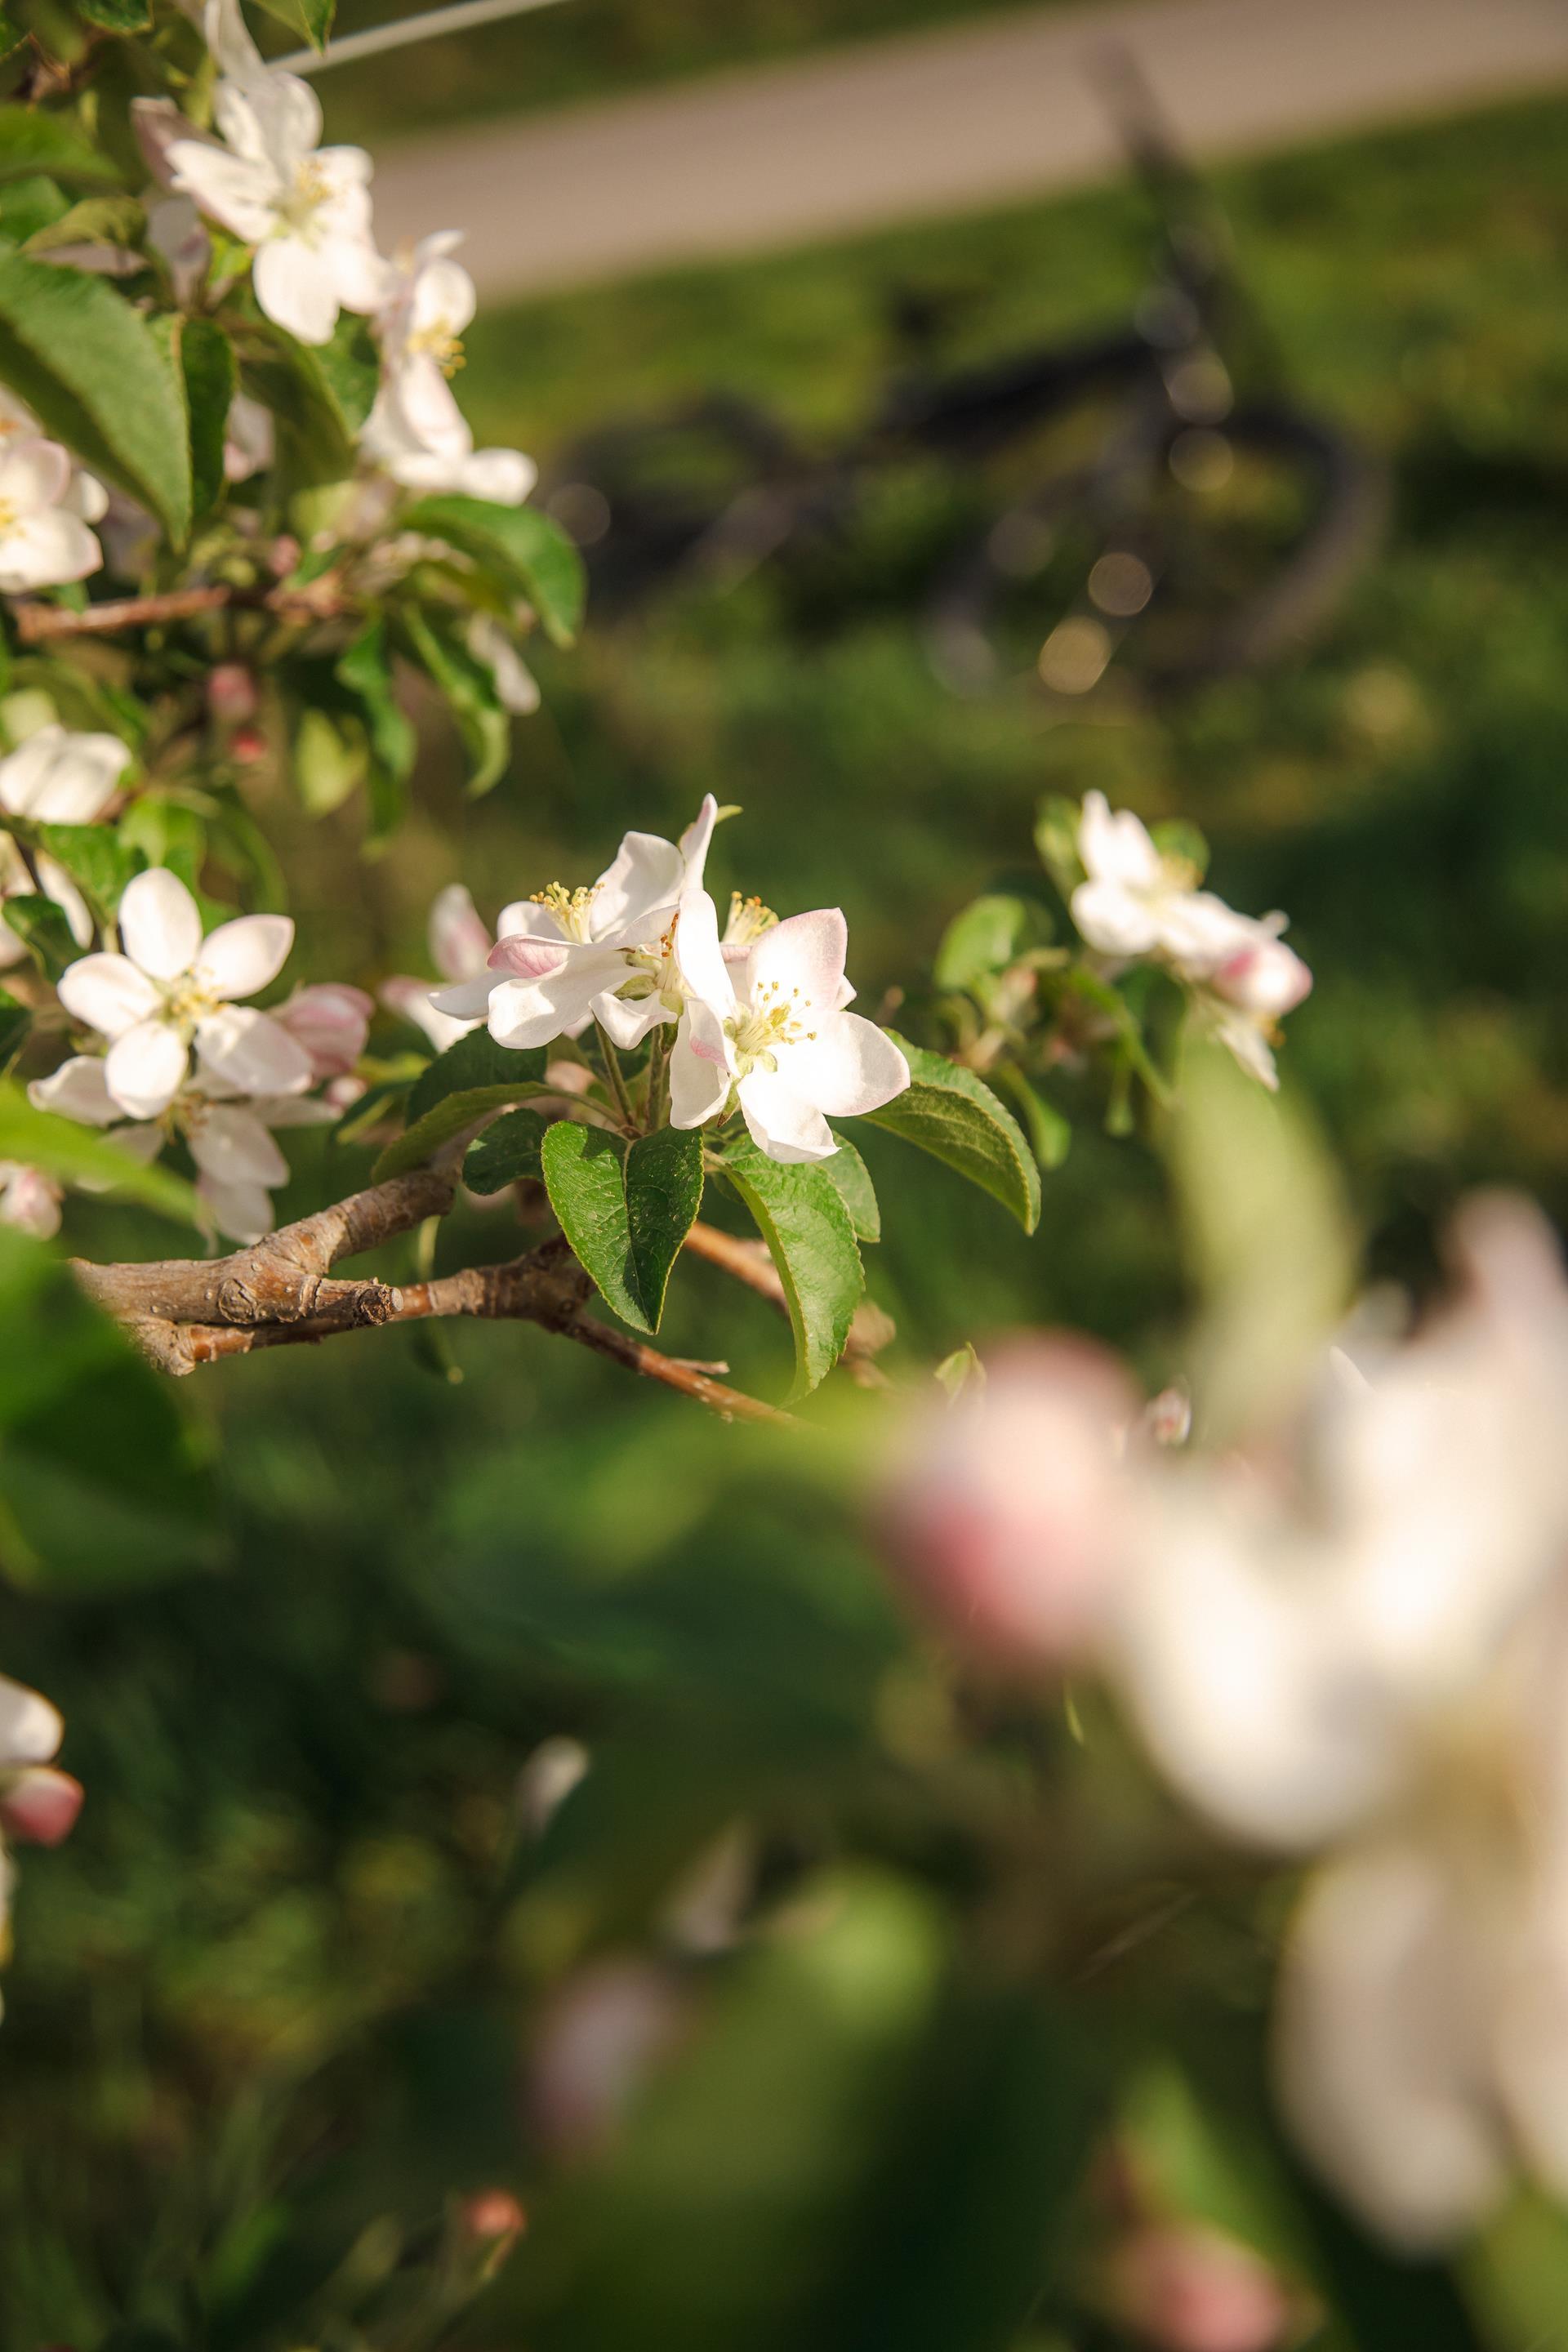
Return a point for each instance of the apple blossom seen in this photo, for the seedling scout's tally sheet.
(1363, 1645)
(772, 1029)
(1004, 1509)
(85, 495)
(38, 1804)
(415, 429)
(332, 1020)
(29, 1200)
(305, 208)
(459, 945)
(44, 538)
(565, 958)
(54, 778)
(170, 990)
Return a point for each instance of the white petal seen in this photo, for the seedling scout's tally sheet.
(410, 1000)
(467, 1001)
(242, 1212)
(698, 957)
(234, 1148)
(239, 194)
(33, 473)
(253, 1052)
(528, 1013)
(297, 289)
(502, 477)
(459, 942)
(638, 893)
(30, 1728)
(800, 962)
(78, 1089)
(700, 1070)
(1116, 848)
(851, 1067)
(85, 494)
(241, 957)
(781, 1123)
(63, 778)
(1111, 918)
(109, 993)
(627, 1022)
(160, 924)
(59, 886)
(145, 1068)
(45, 549)
(695, 842)
(1382, 2046)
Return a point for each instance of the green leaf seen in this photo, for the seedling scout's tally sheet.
(330, 759)
(96, 220)
(348, 366)
(92, 368)
(625, 1209)
(953, 1115)
(94, 856)
(1049, 1132)
(15, 1020)
(117, 15)
(312, 19)
(530, 554)
(77, 1154)
(469, 689)
(1174, 838)
(982, 937)
(166, 832)
(28, 205)
(32, 142)
(851, 1180)
(211, 374)
(800, 1214)
(471, 1077)
(664, 1192)
(507, 1153)
(43, 927)
(1056, 839)
(365, 668)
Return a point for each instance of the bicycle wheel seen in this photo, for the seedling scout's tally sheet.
(1204, 551)
(642, 498)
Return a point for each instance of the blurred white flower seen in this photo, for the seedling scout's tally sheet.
(415, 429)
(85, 495)
(1005, 1509)
(54, 778)
(515, 683)
(563, 956)
(305, 208)
(772, 1029)
(170, 990)
(44, 538)
(1360, 1641)
(1137, 902)
(459, 945)
(29, 1200)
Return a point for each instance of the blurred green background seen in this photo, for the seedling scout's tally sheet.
(269, 2010)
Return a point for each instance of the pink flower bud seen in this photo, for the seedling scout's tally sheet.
(248, 745)
(40, 1805)
(231, 693)
(284, 555)
(493, 2213)
(332, 1022)
(1003, 1510)
(29, 1199)
(1187, 2289)
(459, 937)
(1264, 978)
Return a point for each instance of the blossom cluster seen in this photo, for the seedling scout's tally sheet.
(1346, 1638)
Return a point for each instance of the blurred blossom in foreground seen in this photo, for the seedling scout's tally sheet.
(29, 1200)
(1005, 1509)
(1360, 1640)
(460, 943)
(39, 1805)
(600, 2038)
(1184, 2288)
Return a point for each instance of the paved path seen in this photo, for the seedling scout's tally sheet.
(937, 123)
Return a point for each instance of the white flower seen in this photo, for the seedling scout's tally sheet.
(44, 540)
(460, 944)
(415, 429)
(515, 683)
(773, 1027)
(304, 208)
(84, 495)
(39, 1805)
(29, 1200)
(563, 955)
(171, 990)
(54, 778)
(1365, 1647)
(1138, 903)
(225, 1130)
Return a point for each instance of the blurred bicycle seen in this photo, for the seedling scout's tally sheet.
(1209, 524)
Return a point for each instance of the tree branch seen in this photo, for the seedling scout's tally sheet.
(36, 622)
(749, 1262)
(279, 1293)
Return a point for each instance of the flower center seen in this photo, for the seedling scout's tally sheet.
(185, 1002)
(297, 210)
(774, 1021)
(749, 919)
(440, 342)
(656, 975)
(9, 518)
(571, 908)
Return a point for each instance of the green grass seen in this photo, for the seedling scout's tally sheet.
(268, 2000)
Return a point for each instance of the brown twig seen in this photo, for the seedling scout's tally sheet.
(279, 1293)
(36, 623)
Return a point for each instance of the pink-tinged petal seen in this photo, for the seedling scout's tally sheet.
(78, 1089)
(296, 287)
(698, 958)
(33, 473)
(526, 959)
(46, 550)
(699, 1071)
(40, 1806)
(29, 1200)
(30, 1728)
(460, 939)
(410, 1000)
(252, 1051)
(800, 962)
(160, 128)
(781, 1123)
(243, 1212)
(627, 1022)
(160, 924)
(850, 1068)
(145, 1069)
(109, 993)
(468, 1000)
(232, 1147)
(240, 958)
(332, 1020)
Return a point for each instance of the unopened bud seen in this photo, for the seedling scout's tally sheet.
(284, 555)
(39, 1806)
(1266, 978)
(1004, 1509)
(231, 694)
(332, 1020)
(1184, 2288)
(492, 2214)
(248, 745)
